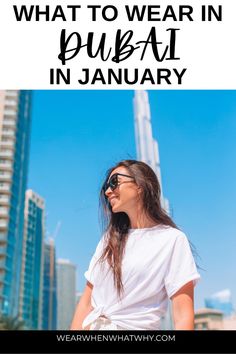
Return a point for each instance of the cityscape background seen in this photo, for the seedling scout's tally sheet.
(74, 138)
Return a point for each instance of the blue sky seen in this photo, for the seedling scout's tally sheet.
(78, 135)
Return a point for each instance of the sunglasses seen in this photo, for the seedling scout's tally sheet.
(113, 182)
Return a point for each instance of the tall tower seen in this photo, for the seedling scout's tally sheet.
(49, 310)
(146, 145)
(15, 119)
(66, 293)
(31, 293)
(148, 152)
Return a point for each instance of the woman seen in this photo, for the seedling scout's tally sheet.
(142, 260)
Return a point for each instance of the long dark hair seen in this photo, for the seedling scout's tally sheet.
(117, 225)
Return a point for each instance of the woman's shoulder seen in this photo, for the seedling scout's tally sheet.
(169, 229)
(173, 233)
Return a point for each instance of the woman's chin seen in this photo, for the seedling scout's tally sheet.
(115, 209)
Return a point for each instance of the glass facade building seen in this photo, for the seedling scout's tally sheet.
(32, 262)
(66, 293)
(15, 123)
(49, 309)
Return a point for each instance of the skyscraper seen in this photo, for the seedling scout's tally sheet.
(31, 293)
(148, 152)
(49, 310)
(66, 293)
(146, 145)
(15, 119)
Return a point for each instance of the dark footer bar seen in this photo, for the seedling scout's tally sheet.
(118, 342)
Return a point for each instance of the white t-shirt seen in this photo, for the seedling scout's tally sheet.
(157, 262)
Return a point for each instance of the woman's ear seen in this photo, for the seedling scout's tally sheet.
(139, 190)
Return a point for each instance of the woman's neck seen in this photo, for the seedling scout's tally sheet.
(140, 221)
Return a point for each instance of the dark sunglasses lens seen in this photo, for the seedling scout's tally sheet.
(113, 182)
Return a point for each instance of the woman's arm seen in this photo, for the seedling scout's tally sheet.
(183, 307)
(83, 308)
